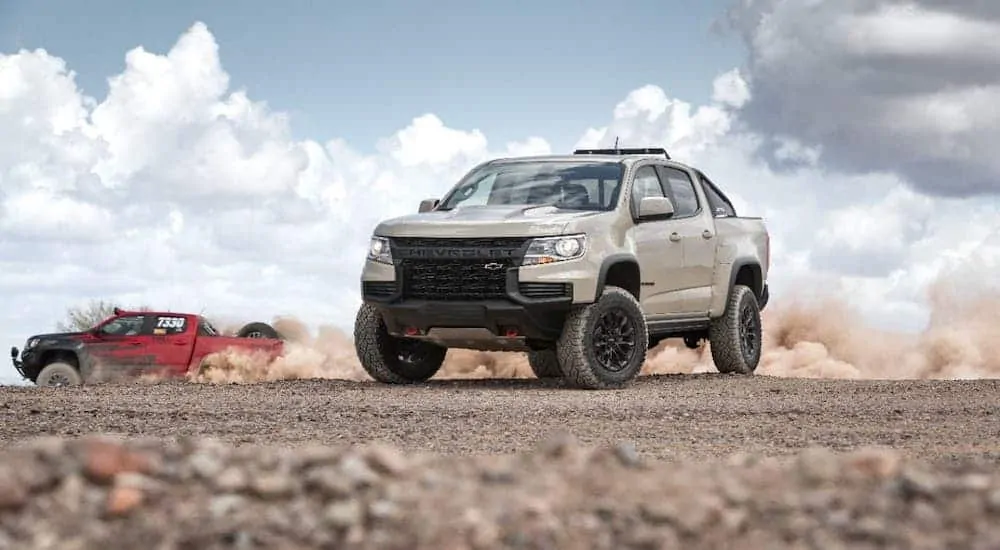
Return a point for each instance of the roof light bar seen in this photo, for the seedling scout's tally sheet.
(625, 151)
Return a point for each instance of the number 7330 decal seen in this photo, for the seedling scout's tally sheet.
(170, 322)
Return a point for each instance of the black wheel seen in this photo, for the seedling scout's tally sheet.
(389, 359)
(544, 363)
(59, 374)
(735, 337)
(603, 345)
(258, 330)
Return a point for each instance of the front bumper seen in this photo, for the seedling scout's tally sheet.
(501, 323)
(506, 323)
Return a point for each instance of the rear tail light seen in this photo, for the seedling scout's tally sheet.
(767, 250)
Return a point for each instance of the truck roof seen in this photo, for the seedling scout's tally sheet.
(623, 155)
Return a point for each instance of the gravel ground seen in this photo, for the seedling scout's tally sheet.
(674, 461)
(672, 417)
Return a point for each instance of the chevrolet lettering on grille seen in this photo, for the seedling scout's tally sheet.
(442, 253)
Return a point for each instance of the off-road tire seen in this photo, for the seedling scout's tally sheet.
(379, 352)
(576, 350)
(59, 371)
(258, 330)
(726, 334)
(544, 363)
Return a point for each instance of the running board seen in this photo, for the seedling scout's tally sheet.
(667, 328)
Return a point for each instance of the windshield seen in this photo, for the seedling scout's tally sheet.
(579, 185)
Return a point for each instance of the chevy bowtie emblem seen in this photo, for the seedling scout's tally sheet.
(493, 266)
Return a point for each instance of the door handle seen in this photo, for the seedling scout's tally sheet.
(180, 342)
(675, 237)
(706, 234)
(135, 343)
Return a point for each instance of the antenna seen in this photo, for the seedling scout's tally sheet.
(616, 143)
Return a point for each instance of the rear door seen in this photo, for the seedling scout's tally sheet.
(172, 341)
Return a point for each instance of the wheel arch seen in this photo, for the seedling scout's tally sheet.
(747, 271)
(50, 356)
(621, 270)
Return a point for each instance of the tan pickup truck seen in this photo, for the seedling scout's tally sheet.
(584, 261)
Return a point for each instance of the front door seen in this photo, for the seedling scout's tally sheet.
(660, 259)
(692, 224)
(120, 347)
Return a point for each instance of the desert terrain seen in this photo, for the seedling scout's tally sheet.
(846, 437)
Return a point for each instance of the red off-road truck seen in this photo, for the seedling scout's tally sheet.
(135, 343)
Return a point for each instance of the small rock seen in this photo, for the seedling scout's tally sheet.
(315, 455)
(817, 465)
(877, 463)
(231, 480)
(344, 514)
(69, 494)
(656, 512)
(993, 501)
(123, 500)
(497, 474)
(272, 485)
(13, 493)
(559, 444)
(223, 505)
(733, 489)
(329, 481)
(383, 510)
(975, 482)
(357, 471)
(105, 459)
(386, 460)
(627, 454)
(915, 483)
(205, 465)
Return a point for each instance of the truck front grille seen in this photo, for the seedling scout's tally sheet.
(457, 268)
(454, 279)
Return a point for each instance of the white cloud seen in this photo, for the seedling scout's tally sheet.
(177, 192)
(878, 85)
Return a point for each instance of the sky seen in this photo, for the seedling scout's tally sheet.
(196, 157)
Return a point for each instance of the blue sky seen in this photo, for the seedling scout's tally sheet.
(362, 70)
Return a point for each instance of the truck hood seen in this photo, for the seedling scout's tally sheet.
(57, 336)
(476, 221)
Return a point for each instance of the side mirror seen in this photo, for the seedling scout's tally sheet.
(427, 205)
(651, 208)
(13, 352)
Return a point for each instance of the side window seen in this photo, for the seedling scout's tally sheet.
(681, 192)
(719, 205)
(645, 184)
(129, 325)
(168, 324)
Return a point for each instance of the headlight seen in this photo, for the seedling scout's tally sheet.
(378, 250)
(32, 342)
(555, 249)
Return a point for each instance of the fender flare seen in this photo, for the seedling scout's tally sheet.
(759, 287)
(614, 259)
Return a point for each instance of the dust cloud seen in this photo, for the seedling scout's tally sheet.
(809, 338)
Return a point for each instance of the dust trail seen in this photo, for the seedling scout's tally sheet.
(815, 338)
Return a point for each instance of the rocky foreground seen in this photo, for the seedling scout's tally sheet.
(150, 493)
